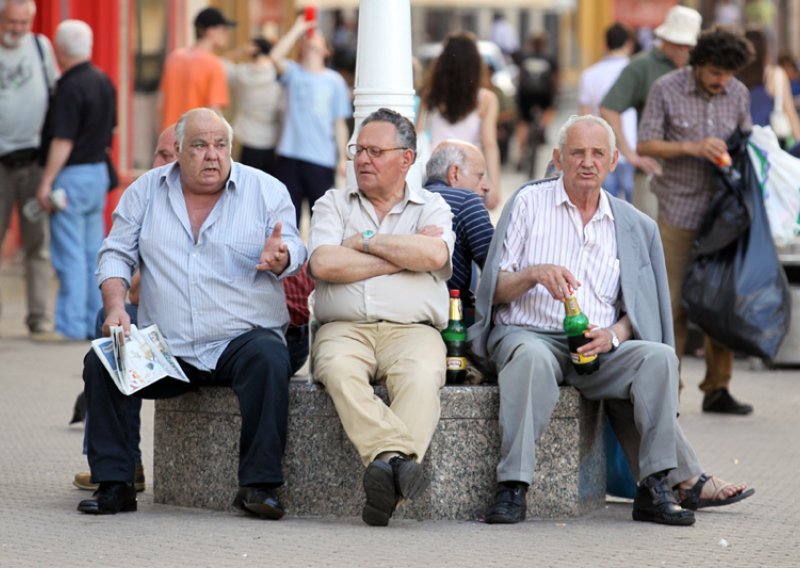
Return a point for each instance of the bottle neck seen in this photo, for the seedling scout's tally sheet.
(455, 309)
(571, 305)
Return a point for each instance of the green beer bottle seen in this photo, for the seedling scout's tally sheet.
(455, 339)
(575, 323)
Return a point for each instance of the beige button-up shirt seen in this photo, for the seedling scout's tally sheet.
(404, 297)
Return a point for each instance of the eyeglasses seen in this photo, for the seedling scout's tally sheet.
(373, 152)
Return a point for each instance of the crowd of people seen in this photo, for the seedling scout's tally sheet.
(209, 248)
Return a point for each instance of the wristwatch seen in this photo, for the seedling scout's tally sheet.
(366, 236)
(614, 340)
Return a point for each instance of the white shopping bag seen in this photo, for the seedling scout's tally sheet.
(778, 173)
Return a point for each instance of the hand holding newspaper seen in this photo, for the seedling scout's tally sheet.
(139, 360)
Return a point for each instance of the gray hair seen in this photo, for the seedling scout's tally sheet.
(406, 133)
(445, 155)
(180, 127)
(591, 119)
(75, 37)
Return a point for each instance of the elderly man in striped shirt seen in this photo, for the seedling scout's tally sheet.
(567, 233)
(212, 240)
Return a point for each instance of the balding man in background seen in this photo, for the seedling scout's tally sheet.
(456, 170)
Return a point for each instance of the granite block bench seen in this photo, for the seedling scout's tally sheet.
(197, 437)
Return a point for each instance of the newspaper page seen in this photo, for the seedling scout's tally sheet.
(139, 360)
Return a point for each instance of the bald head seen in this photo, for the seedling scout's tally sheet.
(460, 165)
(165, 149)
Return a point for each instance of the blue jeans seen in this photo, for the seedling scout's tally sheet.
(76, 234)
(620, 182)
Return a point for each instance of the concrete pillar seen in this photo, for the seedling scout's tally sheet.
(383, 67)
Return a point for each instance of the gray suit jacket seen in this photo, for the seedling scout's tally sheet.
(643, 275)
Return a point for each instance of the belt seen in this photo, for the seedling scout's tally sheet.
(20, 158)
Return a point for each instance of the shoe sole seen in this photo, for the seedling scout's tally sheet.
(411, 480)
(501, 520)
(682, 521)
(380, 491)
(129, 507)
(705, 503)
(264, 511)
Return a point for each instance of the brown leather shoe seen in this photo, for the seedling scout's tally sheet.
(83, 480)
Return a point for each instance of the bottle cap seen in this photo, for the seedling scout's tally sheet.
(455, 293)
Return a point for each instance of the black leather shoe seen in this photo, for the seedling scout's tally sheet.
(259, 501)
(655, 503)
(410, 480)
(79, 410)
(509, 506)
(722, 402)
(382, 496)
(111, 497)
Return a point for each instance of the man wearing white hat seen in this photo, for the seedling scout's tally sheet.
(676, 36)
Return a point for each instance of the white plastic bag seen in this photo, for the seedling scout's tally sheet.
(778, 173)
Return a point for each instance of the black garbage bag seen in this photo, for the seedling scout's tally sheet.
(735, 289)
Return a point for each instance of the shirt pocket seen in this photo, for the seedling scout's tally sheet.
(605, 274)
(242, 253)
(683, 127)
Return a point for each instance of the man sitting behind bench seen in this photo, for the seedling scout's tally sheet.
(212, 240)
(565, 233)
(381, 255)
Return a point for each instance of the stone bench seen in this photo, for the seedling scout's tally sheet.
(197, 437)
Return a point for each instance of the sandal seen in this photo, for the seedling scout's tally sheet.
(690, 498)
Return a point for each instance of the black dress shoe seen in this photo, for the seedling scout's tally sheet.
(382, 494)
(110, 498)
(510, 505)
(655, 503)
(410, 480)
(722, 402)
(259, 501)
(79, 410)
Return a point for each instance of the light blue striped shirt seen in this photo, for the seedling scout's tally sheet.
(203, 295)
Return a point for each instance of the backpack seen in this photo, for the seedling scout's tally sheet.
(536, 76)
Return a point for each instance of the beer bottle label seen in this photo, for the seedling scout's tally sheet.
(456, 363)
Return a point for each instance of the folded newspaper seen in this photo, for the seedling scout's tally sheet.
(138, 360)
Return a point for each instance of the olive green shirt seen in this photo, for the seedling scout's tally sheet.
(633, 84)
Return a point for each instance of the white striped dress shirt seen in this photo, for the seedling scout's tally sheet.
(546, 228)
(203, 294)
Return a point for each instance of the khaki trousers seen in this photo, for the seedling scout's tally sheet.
(719, 359)
(410, 358)
(643, 197)
(17, 185)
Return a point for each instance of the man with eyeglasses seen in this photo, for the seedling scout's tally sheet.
(380, 253)
(212, 240)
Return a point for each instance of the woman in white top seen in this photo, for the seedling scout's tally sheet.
(456, 106)
(259, 106)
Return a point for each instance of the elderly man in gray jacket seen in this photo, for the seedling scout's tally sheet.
(568, 234)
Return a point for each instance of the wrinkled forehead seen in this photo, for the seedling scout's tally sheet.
(377, 134)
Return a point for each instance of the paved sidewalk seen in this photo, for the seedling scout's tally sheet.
(40, 527)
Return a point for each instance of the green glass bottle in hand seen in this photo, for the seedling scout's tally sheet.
(575, 324)
(455, 339)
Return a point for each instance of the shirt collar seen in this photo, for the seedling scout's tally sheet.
(603, 209)
(414, 195)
